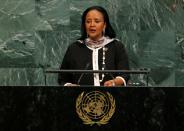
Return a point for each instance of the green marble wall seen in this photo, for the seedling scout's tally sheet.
(34, 35)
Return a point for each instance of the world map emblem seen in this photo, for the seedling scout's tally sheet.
(95, 107)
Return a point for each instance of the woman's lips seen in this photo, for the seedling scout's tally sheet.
(92, 31)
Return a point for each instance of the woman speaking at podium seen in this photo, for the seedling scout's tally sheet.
(96, 49)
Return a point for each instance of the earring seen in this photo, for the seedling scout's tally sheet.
(103, 32)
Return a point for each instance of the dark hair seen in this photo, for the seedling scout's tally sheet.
(109, 31)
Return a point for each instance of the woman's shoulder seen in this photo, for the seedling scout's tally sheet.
(116, 42)
(76, 45)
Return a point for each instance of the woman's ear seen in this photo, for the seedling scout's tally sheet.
(104, 26)
(104, 29)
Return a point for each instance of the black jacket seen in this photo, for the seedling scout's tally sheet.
(79, 56)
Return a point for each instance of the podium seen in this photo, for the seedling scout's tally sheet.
(56, 108)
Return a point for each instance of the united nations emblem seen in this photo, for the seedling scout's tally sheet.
(95, 107)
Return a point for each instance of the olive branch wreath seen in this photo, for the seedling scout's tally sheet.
(87, 120)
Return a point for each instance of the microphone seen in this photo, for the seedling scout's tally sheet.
(86, 67)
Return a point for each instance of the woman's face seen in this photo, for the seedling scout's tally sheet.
(94, 24)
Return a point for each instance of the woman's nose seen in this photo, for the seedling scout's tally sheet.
(92, 23)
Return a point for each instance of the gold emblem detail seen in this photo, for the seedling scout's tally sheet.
(95, 107)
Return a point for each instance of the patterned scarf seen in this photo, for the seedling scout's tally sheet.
(95, 44)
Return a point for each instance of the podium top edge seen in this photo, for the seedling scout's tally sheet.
(100, 71)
